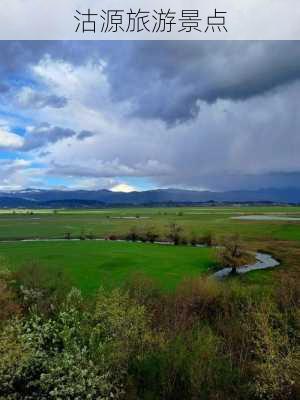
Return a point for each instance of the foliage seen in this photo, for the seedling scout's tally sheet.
(174, 233)
(73, 355)
(207, 239)
(276, 354)
(151, 234)
(9, 306)
(40, 287)
(232, 254)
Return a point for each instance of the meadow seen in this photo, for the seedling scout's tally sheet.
(93, 263)
(25, 224)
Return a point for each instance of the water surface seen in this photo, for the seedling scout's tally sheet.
(266, 218)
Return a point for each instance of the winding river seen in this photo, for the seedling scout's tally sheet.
(263, 261)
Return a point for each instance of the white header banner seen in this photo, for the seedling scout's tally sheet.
(149, 20)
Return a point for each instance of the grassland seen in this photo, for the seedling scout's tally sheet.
(92, 263)
(20, 224)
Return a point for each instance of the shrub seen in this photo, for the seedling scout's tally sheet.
(277, 357)
(188, 366)
(40, 288)
(193, 240)
(68, 235)
(14, 354)
(174, 233)
(112, 237)
(90, 236)
(132, 235)
(82, 235)
(207, 239)
(9, 306)
(183, 241)
(151, 235)
(121, 326)
(51, 359)
(198, 298)
(143, 290)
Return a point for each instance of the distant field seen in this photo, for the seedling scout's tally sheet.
(18, 224)
(90, 264)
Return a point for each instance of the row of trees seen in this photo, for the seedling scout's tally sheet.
(173, 233)
(205, 341)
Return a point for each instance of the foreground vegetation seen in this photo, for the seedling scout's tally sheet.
(207, 340)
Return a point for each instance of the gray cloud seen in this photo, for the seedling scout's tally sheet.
(110, 169)
(85, 135)
(44, 135)
(168, 78)
(29, 98)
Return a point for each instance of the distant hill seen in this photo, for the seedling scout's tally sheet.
(31, 198)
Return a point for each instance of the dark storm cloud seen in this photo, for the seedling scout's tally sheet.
(165, 79)
(226, 181)
(168, 78)
(44, 135)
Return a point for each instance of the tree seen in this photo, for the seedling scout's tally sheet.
(232, 255)
(151, 235)
(207, 239)
(132, 234)
(174, 233)
(68, 235)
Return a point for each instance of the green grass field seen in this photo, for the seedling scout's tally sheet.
(20, 224)
(90, 264)
(93, 263)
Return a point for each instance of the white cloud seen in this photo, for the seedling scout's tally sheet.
(10, 140)
(83, 83)
(18, 174)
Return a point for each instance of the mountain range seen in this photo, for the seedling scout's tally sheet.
(32, 198)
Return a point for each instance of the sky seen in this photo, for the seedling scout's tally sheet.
(138, 115)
